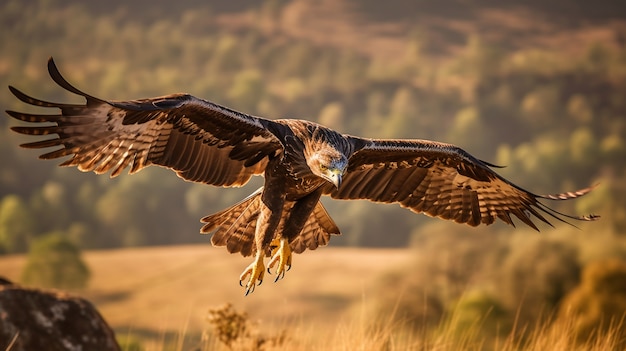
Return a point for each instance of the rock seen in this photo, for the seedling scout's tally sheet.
(32, 319)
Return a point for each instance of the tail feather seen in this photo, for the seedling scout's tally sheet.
(316, 231)
(235, 227)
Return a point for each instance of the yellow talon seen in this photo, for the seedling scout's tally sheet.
(282, 256)
(274, 245)
(256, 271)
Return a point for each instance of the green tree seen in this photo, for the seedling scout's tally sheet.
(51, 195)
(412, 299)
(403, 111)
(536, 275)
(598, 304)
(332, 115)
(478, 314)
(247, 90)
(55, 262)
(466, 126)
(16, 224)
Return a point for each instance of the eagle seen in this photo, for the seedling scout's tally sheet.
(301, 161)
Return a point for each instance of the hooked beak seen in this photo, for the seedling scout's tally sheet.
(335, 177)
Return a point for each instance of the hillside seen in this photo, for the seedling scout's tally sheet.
(385, 26)
(545, 99)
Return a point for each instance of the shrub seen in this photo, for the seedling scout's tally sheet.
(55, 262)
(535, 277)
(235, 330)
(480, 312)
(598, 304)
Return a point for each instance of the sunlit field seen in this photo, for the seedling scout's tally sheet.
(156, 293)
(160, 298)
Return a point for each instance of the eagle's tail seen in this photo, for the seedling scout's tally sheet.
(235, 226)
(316, 231)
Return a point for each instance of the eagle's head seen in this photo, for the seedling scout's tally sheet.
(328, 163)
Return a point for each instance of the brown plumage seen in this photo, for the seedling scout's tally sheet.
(301, 161)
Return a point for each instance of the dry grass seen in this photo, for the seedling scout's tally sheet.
(162, 296)
(155, 292)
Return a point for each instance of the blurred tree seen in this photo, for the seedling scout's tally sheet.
(55, 262)
(247, 90)
(350, 73)
(481, 58)
(598, 57)
(16, 225)
(269, 15)
(613, 149)
(403, 110)
(80, 234)
(295, 61)
(479, 316)
(131, 213)
(608, 200)
(598, 304)
(541, 106)
(453, 257)
(51, 195)
(477, 62)
(376, 106)
(467, 125)
(579, 109)
(129, 342)
(226, 57)
(536, 275)
(409, 299)
(332, 116)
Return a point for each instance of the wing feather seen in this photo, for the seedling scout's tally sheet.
(441, 180)
(201, 141)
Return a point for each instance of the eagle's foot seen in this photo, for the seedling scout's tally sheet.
(256, 271)
(282, 257)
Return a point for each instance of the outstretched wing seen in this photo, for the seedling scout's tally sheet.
(440, 180)
(201, 141)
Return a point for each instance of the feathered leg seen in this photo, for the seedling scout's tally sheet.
(270, 214)
(298, 215)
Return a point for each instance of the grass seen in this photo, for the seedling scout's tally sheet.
(161, 298)
(152, 293)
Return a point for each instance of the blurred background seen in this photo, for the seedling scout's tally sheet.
(538, 87)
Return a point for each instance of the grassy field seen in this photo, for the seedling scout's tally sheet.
(154, 293)
(160, 297)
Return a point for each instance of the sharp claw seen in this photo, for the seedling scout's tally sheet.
(280, 276)
(253, 274)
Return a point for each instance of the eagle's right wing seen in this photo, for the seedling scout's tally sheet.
(201, 141)
(440, 180)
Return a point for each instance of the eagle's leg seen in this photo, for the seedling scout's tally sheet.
(293, 225)
(256, 271)
(282, 256)
(270, 214)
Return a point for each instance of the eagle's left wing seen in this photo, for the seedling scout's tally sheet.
(201, 141)
(440, 180)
